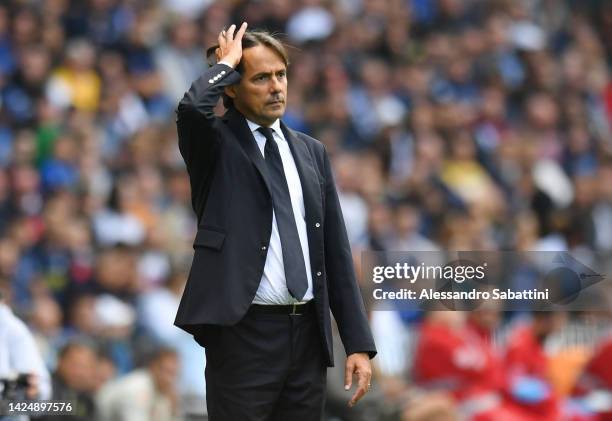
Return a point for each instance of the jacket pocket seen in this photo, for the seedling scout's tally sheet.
(209, 237)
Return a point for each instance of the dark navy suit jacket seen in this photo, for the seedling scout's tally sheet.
(231, 199)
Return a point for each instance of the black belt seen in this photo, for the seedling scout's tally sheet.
(291, 309)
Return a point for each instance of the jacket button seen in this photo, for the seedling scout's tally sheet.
(317, 225)
(264, 248)
(318, 273)
(210, 81)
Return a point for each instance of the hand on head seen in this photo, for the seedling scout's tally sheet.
(230, 46)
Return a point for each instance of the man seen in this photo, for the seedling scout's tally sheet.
(75, 379)
(596, 378)
(271, 252)
(527, 365)
(147, 394)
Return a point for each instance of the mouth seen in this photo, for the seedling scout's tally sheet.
(276, 102)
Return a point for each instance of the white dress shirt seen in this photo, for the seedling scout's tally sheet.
(273, 286)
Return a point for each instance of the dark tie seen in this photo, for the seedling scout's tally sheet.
(293, 258)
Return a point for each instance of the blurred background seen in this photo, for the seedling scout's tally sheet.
(451, 124)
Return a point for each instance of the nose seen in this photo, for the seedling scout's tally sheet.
(275, 84)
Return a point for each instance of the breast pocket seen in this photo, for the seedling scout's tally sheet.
(209, 237)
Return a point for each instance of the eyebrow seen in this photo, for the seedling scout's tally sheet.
(256, 75)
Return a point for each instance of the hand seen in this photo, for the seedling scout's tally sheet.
(230, 47)
(358, 364)
(32, 390)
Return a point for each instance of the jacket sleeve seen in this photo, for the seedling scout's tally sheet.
(344, 296)
(195, 113)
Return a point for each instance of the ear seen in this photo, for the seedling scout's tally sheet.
(230, 91)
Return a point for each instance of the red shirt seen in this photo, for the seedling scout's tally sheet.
(525, 356)
(457, 360)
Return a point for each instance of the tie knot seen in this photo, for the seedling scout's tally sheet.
(267, 132)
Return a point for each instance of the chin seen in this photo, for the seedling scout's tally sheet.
(276, 114)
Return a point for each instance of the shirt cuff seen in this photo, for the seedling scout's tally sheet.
(226, 63)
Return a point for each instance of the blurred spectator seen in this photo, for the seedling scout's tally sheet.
(75, 379)
(180, 61)
(527, 365)
(46, 323)
(156, 310)
(455, 355)
(596, 381)
(407, 226)
(116, 224)
(76, 82)
(145, 394)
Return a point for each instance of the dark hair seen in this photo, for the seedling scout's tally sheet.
(251, 39)
(156, 353)
(80, 342)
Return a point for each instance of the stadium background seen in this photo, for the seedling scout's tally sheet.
(453, 124)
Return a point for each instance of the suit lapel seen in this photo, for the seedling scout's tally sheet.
(239, 126)
(308, 176)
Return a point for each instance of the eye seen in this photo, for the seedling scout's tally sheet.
(282, 74)
(261, 78)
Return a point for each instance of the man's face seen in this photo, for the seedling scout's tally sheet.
(262, 93)
(77, 368)
(165, 372)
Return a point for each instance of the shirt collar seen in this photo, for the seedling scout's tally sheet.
(275, 126)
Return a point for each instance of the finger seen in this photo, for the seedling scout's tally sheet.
(363, 378)
(218, 53)
(230, 32)
(361, 390)
(241, 31)
(221, 39)
(348, 375)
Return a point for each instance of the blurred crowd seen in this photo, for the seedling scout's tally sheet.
(451, 124)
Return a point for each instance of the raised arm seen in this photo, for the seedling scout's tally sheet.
(195, 112)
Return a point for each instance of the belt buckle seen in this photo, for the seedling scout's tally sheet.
(293, 313)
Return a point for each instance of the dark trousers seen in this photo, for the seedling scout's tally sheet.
(268, 367)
